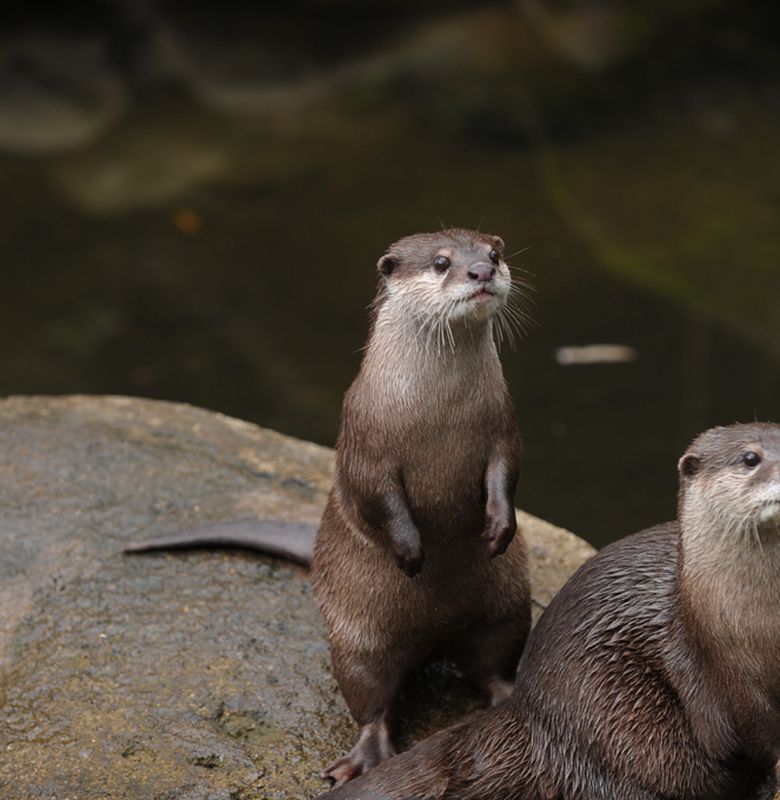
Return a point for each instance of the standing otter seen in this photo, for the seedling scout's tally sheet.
(655, 672)
(427, 459)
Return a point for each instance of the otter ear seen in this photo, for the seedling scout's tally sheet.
(387, 264)
(498, 243)
(689, 465)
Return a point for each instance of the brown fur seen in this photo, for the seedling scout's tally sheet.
(426, 468)
(654, 672)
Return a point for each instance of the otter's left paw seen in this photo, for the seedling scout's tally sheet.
(500, 529)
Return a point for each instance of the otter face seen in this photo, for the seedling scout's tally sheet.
(732, 476)
(452, 276)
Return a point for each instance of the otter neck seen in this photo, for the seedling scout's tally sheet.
(729, 589)
(411, 361)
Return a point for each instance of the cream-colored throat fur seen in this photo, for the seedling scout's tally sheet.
(730, 572)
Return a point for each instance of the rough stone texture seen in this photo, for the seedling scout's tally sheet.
(196, 676)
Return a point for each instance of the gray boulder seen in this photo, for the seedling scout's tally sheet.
(199, 675)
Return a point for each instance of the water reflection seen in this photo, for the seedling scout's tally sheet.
(195, 201)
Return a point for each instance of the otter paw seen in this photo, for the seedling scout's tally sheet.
(342, 770)
(498, 689)
(499, 532)
(410, 563)
(373, 746)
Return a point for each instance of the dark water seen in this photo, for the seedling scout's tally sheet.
(194, 200)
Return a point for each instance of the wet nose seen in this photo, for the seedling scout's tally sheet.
(482, 272)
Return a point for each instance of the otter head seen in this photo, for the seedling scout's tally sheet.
(442, 281)
(730, 484)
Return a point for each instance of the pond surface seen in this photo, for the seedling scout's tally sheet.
(195, 201)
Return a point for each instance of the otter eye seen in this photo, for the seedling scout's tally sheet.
(751, 459)
(494, 256)
(441, 263)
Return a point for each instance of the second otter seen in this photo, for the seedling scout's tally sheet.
(654, 673)
(427, 459)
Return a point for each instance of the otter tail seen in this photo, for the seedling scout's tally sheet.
(293, 541)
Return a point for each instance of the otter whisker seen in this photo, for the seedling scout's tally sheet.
(446, 331)
(439, 335)
(425, 332)
(516, 319)
(447, 321)
(522, 306)
(757, 535)
(430, 339)
(521, 299)
(498, 332)
(510, 323)
(522, 289)
(514, 268)
(503, 328)
(511, 331)
(495, 332)
(518, 252)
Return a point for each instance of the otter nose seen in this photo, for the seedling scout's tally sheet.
(482, 272)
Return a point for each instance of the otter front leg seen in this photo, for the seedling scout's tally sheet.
(388, 519)
(500, 484)
(402, 534)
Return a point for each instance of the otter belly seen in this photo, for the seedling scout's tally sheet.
(363, 594)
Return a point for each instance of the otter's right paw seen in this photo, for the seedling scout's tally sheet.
(500, 529)
(410, 562)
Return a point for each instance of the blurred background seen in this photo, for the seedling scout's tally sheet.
(195, 194)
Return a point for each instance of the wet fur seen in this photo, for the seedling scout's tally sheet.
(654, 672)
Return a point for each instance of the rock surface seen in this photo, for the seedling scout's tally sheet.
(198, 676)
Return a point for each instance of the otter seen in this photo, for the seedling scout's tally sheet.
(653, 674)
(405, 565)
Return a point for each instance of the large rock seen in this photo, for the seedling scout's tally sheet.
(202, 675)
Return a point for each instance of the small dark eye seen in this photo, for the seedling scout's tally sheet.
(751, 459)
(441, 263)
(494, 256)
